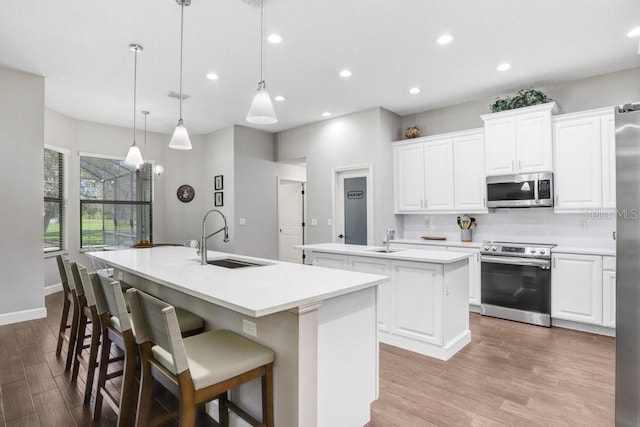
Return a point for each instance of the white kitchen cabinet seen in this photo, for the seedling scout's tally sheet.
(609, 291)
(418, 295)
(576, 288)
(438, 175)
(475, 272)
(385, 290)
(409, 177)
(320, 259)
(518, 141)
(470, 187)
(584, 161)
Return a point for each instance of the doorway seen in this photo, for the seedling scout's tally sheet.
(290, 219)
(353, 205)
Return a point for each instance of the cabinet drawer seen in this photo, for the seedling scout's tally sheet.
(418, 246)
(609, 263)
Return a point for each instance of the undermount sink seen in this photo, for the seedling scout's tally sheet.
(386, 251)
(233, 263)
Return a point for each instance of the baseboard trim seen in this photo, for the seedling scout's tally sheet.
(23, 316)
(52, 289)
(583, 327)
(438, 352)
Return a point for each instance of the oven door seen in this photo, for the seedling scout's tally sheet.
(516, 284)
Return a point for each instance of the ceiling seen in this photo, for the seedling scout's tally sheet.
(81, 48)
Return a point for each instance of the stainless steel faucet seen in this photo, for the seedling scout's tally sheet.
(203, 239)
(391, 232)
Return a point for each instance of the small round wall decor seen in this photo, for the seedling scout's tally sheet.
(186, 193)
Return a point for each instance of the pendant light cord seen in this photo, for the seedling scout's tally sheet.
(181, 43)
(262, 42)
(135, 87)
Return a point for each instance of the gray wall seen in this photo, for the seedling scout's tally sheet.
(577, 95)
(355, 139)
(21, 142)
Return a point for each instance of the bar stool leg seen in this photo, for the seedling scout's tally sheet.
(105, 351)
(93, 357)
(73, 333)
(126, 417)
(223, 411)
(80, 337)
(267, 397)
(63, 324)
(146, 387)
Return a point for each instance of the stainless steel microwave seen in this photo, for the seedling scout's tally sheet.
(520, 191)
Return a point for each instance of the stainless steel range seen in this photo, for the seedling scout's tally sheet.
(516, 281)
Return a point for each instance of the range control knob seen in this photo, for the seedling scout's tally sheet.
(533, 251)
(542, 252)
(486, 248)
(495, 248)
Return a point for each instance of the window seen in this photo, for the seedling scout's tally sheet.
(53, 201)
(115, 203)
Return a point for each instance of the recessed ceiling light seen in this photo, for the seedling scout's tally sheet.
(634, 33)
(212, 76)
(279, 98)
(326, 114)
(503, 67)
(345, 73)
(274, 38)
(414, 90)
(445, 39)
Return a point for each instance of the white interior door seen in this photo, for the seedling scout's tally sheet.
(290, 219)
(340, 228)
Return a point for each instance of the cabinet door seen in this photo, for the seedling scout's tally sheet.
(576, 288)
(438, 175)
(469, 179)
(409, 177)
(608, 141)
(500, 146)
(533, 142)
(418, 293)
(329, 260)
(609, 299)
(578, 155)
(385, 290)
(475, 272)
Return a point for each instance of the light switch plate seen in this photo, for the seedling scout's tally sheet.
(249, 328)
(242, 221)
(314, 221)
(329, 222)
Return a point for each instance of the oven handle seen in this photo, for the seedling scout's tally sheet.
(516, 261)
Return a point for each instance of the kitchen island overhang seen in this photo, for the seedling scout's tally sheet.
(321, 323)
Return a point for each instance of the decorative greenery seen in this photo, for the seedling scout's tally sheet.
(524, 98)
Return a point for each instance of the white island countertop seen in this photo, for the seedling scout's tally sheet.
(419, 255)
(253, 291)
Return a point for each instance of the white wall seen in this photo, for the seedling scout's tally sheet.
(256, 193)
(21, 210)
(354, 139)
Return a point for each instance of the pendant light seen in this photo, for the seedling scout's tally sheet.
(180, 139)
(261, 111)
(134, 156)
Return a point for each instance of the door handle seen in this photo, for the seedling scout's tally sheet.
(340, 236)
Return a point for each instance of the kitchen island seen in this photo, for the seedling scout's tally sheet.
(424, 307)
(321, 324)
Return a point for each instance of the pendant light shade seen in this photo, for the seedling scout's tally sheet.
(180, 138)
(261, 111)
(134, 156)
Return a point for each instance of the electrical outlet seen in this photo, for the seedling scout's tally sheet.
(242, 221)
(249, 328)
(314, 221)
(120, 275)
(329, 222)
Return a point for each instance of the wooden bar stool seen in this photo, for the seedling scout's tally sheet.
(88, 315)
(197, 369)
(116, 328)
(70, 306)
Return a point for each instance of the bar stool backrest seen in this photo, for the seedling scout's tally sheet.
(63, 274)
(67, 270)
(109, 299)
(81, 279)
(156, 321)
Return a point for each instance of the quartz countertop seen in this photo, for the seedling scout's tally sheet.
(456, 243)
(420, 255)
(583, 250)
(253, 291)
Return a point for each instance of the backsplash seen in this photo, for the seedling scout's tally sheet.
(539, 225)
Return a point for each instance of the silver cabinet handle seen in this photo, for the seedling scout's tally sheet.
(484, 202)
(421, 204)
(614, 235)
(426, 204)
(556, 197)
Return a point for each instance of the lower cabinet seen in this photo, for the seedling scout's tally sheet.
(609, 292)
(577, 290)
(475, 272)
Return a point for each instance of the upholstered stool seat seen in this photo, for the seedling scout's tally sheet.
(190, 324)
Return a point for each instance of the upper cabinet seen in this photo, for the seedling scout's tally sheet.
(584, 160)
(519, 141)
(440, 174)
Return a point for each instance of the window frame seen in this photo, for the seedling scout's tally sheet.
(113, 202)
(63, 185)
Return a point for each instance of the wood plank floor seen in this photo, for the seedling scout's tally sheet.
(511, 374)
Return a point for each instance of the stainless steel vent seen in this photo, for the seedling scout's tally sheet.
(176, 95)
